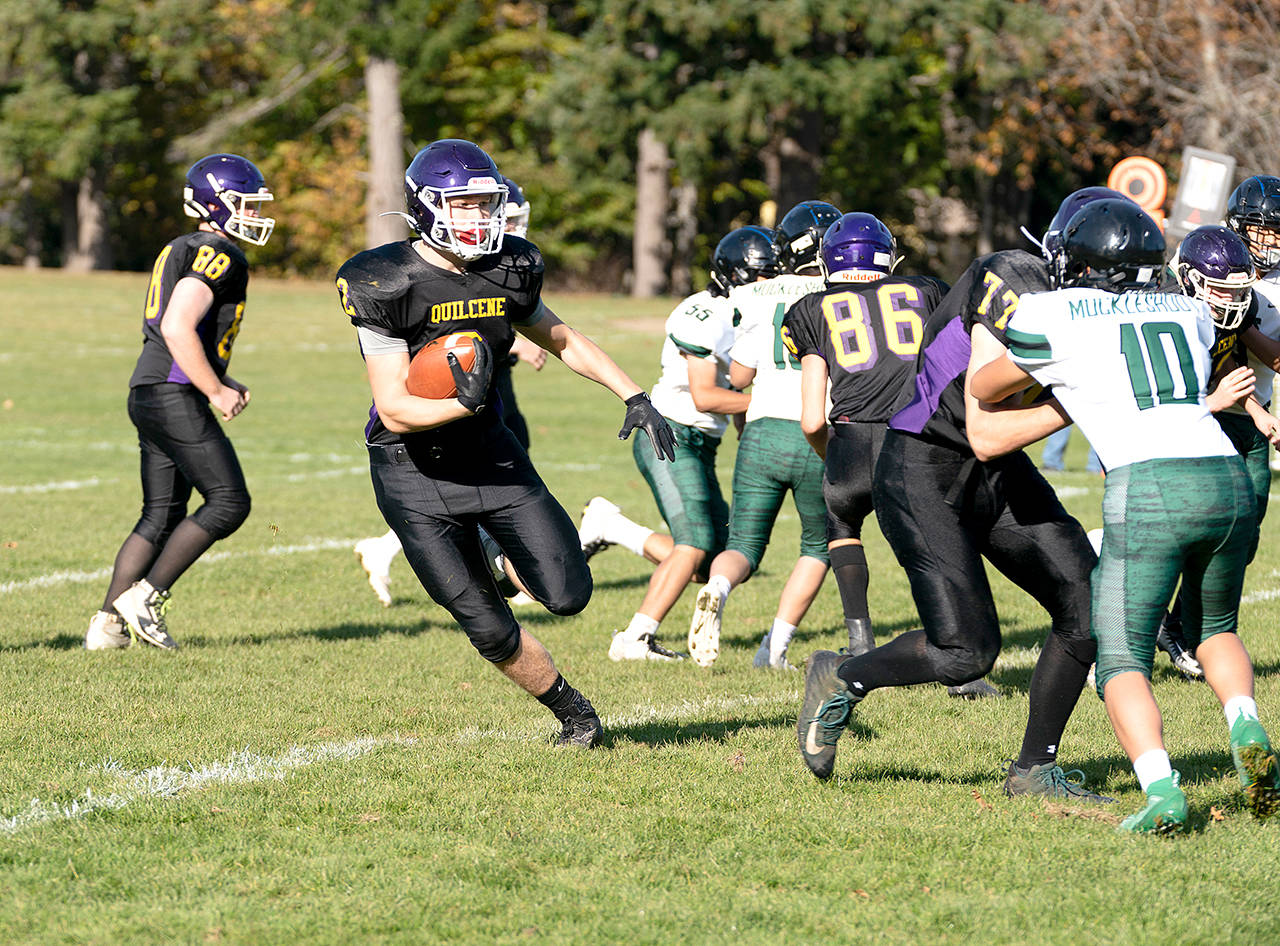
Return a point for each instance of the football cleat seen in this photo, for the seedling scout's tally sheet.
(643, 647)
(704, 629)
(582, 728)
(1169, 639)
(142, 609)
(1165, 811)
(761, 660)
(106, 632)
(1257, 767)
(974, 690)
(824, 712)
(1049, 780)
(521, 600)
(375, 556)
(591, 530)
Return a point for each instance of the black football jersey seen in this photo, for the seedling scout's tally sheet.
(393, 291)
(221, 265)
(987, 292)
(869, 335)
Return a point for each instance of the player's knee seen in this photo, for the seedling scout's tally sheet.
(158, 522)
(570, 600)
(495, 640)
(224, 512)
(965, 664)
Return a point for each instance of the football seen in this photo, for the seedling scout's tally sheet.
(429, 373)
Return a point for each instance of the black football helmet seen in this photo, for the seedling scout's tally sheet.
(800, 233)
(1213, 264)
(1112, 245)
(1052, 241)
(1255, 205)
(742, 256)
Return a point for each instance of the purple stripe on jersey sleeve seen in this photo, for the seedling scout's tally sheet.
(945, 359)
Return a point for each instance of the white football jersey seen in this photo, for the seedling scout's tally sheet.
(702, 327)
(1129, 368)
(1267, 291)
(758, 309)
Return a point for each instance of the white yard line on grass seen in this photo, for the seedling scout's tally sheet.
(164, 781)
(62, 578)
(51, 487)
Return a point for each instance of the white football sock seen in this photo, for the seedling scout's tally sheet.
(720, 585)
(1152, 766)
(640, 625)
(630, 535)
(779, 640)
(1239, 706)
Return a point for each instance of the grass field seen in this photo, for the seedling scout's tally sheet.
(313, 768)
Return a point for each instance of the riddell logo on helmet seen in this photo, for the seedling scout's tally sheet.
(483, 182)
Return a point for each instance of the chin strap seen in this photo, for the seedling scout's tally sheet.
(1039, 246)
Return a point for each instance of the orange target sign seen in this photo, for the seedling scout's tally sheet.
(1143, 181)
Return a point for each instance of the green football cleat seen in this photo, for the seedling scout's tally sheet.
(1165, 812)
(1256, 765)
(824, 712)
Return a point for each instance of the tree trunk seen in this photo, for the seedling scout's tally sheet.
(649, 253)
(686, 232)
(792, 159)
(386, 153)
(31, 241)
(85, 225)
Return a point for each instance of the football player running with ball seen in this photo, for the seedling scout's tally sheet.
(444, 468)
(1131, 366)
(191, 318)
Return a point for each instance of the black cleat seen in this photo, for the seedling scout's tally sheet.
(1169, 639)
(582, 728)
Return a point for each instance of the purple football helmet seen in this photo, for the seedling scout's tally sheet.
(225, 190)
(517, 209)
(857, 248)
(452, 168)
(1255, 205)
(800, 231)
(1052, 241)
(1213, 264)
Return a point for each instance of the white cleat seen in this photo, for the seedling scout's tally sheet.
(704, 629)
(142, 608)
(375, 558)
(591, 531)
(761, 660)
(521, 600)
(643, 647)
(106, 632)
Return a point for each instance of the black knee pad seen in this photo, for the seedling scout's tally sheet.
(571, 600)
(961, 666)
(223, 512)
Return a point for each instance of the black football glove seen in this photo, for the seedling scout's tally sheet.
(473, 385)
(642, 413)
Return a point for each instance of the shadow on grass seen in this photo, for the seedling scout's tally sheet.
(660, 733)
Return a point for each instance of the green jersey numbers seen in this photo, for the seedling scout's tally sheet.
(783, 349)
(852, 317)
(1152, 347)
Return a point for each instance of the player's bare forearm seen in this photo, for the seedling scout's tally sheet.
(707, 394)
(400, 411)
(997, 429)
(1263, 419)
(1266, 350)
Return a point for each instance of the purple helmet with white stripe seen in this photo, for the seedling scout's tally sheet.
(857, 248)
(447, 169)
(1214, 265)
(225, 191)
